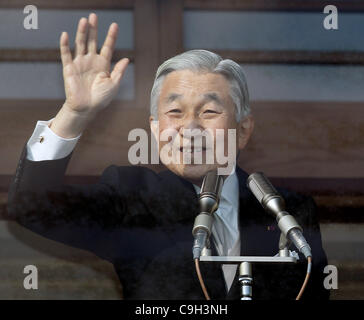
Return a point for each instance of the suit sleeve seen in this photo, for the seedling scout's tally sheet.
(78, 215)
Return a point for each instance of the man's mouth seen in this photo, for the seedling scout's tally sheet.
(192, 149)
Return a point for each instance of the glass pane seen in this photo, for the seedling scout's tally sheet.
(44, 81)
(271, 31)
(52, 22)
(305, 82)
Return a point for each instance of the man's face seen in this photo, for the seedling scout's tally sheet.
(191, 103)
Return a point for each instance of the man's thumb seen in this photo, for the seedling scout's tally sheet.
(119, 69)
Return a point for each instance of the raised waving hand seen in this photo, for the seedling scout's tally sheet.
(89, 82)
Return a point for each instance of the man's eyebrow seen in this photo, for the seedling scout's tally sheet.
(212, 96)
(172, 97)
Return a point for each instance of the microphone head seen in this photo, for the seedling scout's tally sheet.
(273, 202)
(265, 192)
(210, 192)
(260, 186)
(212, 183)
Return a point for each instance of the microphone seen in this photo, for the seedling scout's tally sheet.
(274, 204)
(209, 202)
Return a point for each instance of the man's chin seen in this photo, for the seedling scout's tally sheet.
(193, 173)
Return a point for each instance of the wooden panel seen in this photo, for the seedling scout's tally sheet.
(324, 187)
(171, 45)
(49, 55)
(291, 139)
(70, 4)
(330, 209)
(293, 57)
(343, 192)
(263, 5)
(273, 5)
(146, 49)
(3, 201)
(108, 134)
(307, 139)
(170, 28)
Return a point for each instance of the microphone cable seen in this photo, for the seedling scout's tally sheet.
(202, 283)
(309, 266)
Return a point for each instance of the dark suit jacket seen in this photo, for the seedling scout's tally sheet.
(141, 222)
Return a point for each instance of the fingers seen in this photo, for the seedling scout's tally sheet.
(119, 70)
(92, 33)
(64, 47)
(86, 38)
(81, 37)
(109, 44)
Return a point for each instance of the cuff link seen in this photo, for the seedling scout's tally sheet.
(40, 139)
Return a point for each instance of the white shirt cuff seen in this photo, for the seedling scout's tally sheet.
(44, 144)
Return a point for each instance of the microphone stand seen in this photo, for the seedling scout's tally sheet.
(246, 262)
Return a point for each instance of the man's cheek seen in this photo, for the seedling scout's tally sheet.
(169, 146)
(226, 149)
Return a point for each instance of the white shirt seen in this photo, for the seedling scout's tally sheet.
(44, 144)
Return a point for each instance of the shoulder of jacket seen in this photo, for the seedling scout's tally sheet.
(126, 177)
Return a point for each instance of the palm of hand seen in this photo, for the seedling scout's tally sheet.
(87, 82)
(89, 85)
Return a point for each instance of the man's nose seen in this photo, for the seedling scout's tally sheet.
(190, 128)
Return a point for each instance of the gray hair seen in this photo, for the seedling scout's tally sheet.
(205, 61)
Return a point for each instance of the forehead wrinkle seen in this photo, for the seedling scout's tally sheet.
(172, 97)
(213, 96)
(207, 97)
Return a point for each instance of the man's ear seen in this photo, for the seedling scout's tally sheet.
(154, 127)
(246, 127)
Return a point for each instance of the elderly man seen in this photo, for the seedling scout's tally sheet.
(139, 220)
